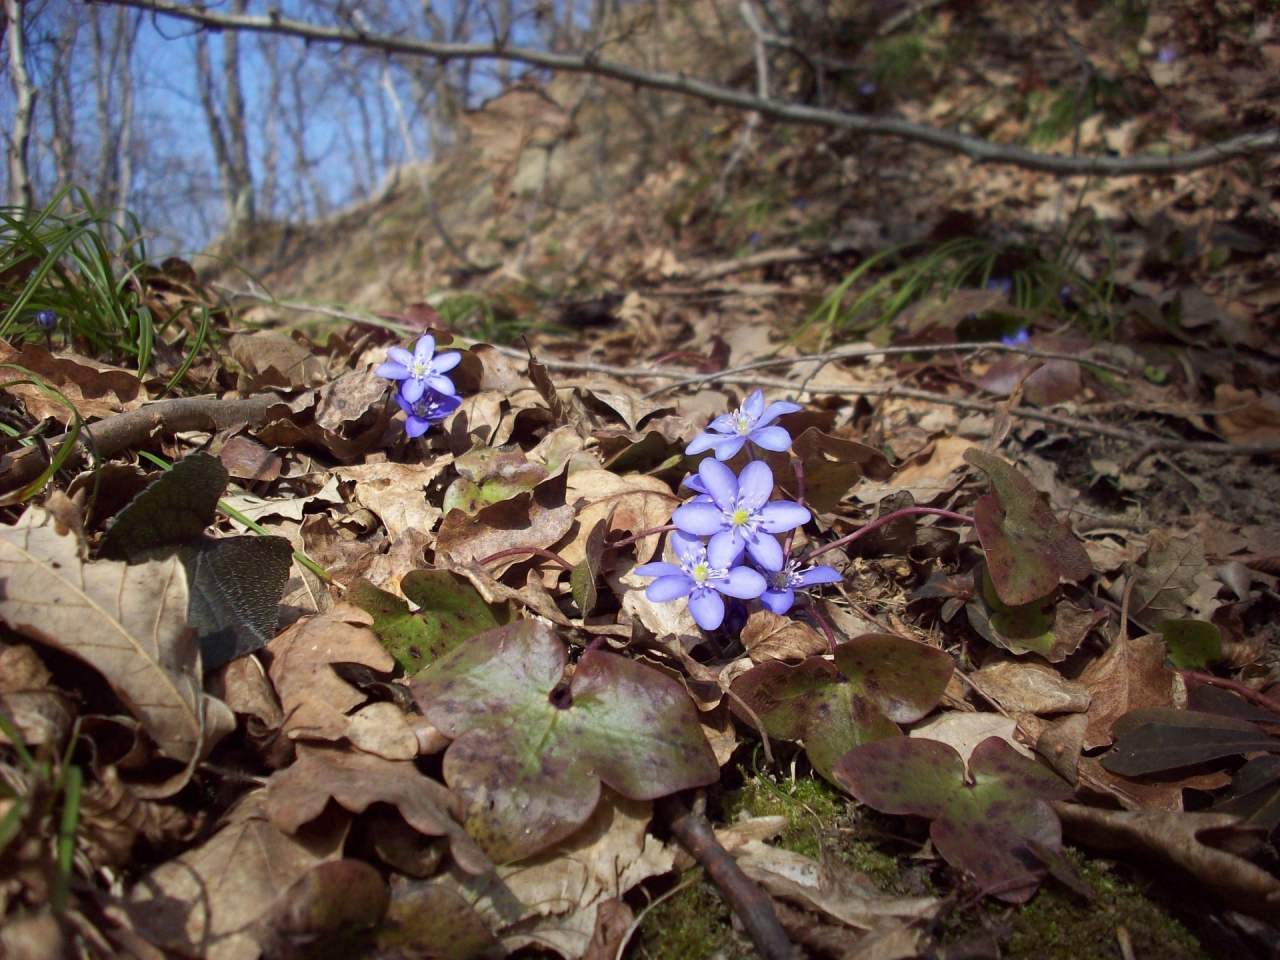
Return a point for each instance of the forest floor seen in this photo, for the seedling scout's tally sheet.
(278, 679)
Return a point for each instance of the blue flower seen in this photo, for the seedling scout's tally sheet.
(46, 319)
(1167, 54)
(421, 369)
(739, 515)
(781, 592)
(696, 578)
(1019, 339)
(426, 410)
(752, 421)
(868, 88)
(1002, 284)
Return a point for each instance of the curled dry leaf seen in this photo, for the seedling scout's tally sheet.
(127, 622)
(112, 818)
(41, 712)
(1031, 688)
(530, 763)
(396, 493)
(298, 794)
(315, 701)
(535, 519)
(629, 504)
(270, 359)
(95, 390)
(768, 636)
(1129, 676)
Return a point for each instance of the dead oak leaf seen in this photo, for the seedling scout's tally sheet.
(271, 359)
(1129, 676)
(355, 779)
(396, 493)
(315, 701)
(630, 504)
(768, 636)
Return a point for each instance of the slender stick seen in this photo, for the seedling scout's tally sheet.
(641, 535)
(1247, 692)
(886, 519)
(524, 551)
(753, 906)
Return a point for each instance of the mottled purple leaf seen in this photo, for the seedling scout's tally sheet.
(529, 756)
(1028, 551)
(983, 825)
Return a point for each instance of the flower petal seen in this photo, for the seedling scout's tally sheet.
(416, 426)
(694, 483)
(809, 578)
(743, 583)
(722, 424)
(771, 438)
(405, 405)
(778, 601)
(401, 356)
(669, 588)
(392, 370)
(776, 409)
(782, 515)
(446, 361)
(720, 481)
(753, 406)
(707, 609)
(727, 448)
(725, 548)
(441, 384)
(755, 484)
(687, 547)
(445, 406)
(658, 569)
(766, 551)
(702, 443)
(413, 389)
(700, 519)
(425, 347)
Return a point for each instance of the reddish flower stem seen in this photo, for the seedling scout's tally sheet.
(522, 551)
(887, 519)
(1191, 676)
(640, 536)
(798, 467)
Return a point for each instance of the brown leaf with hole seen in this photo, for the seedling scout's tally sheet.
(315, 701)
(630, 504)
(1183, 847)
(1130, 675)
(355, 779)
(768, 636)
(270, 359)
(535, 519)
(349, 398)
(128, 622)
(201, 903)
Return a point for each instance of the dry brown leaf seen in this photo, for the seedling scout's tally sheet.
(828, 888)
(247, 459)
(242, 683)
(1169, 577)
(753, 828)
(1141, 793)
(349, 398)
(964, 731)
(314, 699)
(670, 623)
(94, 389)
(1171, 843)
(928, 476)
(298, 794)
(201, 903)
(1031, 688)
(1246, 417)
(396, 493)
(536, 519)
(270, 359)
(1061, 744)
(1130, 675)
(630, 504)
(613, 921)
(768, 636)
(382, 729)
(479, 422)
(40, 711)
(127, 622)
(112, 817)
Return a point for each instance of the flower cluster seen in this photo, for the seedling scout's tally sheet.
(425, 394)
(741, 556)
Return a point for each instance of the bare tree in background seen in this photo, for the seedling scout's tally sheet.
(113, 93)
(227, 125)
(21, 192)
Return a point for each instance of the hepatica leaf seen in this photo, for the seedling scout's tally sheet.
(876, 682)
(982, 825)
(1150, 741)
(1028, 550)
(452, 611)
(529, 756)
(1191, 643)
(236, 585)
(170, 513)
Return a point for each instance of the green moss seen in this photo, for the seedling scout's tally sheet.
(692, 925)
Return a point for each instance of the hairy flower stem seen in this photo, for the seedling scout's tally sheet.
(523, 551)
(887, 519)
(798, 467)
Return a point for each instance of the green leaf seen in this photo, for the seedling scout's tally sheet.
(985, 825)
(170, 513)
(1191, 643)
(876, 682)
(529, 755)
(452, 611)
(490, 475)
(236, 586)
(1028, 551)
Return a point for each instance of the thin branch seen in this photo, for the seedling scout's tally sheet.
(1248, 693)
(887, 519)
(526, 551)
(977, 149)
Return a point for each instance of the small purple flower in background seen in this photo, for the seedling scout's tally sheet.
(696, 578)
(752, 421)
(799, 203)
(868, 88)
(1066, 293)
(740, 516)
(46, 319)
(781, 592)
(420, 370)
(1019, 339)
(1167, 54)
(754, 239)
(429, 408)
(1003, 284)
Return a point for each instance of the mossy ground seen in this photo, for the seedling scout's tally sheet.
(1057, 924)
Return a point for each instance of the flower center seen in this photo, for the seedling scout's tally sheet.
(743, 424)
(420, 370)
(700, 572)
(741, 517)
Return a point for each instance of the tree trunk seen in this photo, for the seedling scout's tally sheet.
(236, 134)
(21, 191)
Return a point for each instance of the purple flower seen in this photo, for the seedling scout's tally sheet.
(426, 410)
(46, 319)
(739, 515)
(420, 370)
(1002, 284)
(1167, 54)
(752, 421)
(868, 88)
(1019, 339)
(781, 592)
(696, 578)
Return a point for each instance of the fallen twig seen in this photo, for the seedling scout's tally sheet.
(1247, 692)
(753, 906)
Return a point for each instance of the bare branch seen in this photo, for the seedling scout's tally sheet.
(981, 151)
